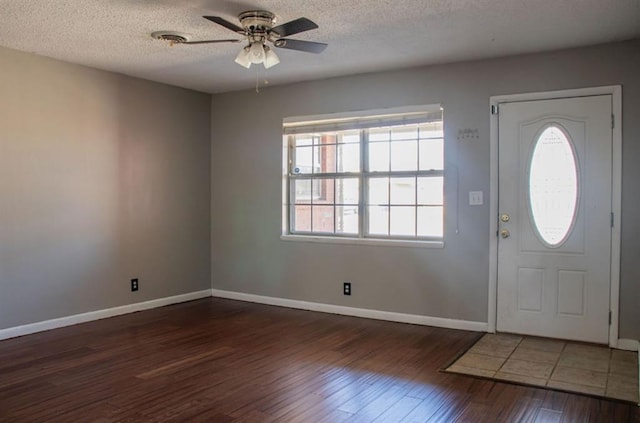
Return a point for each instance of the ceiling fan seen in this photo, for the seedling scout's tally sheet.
(257, 26)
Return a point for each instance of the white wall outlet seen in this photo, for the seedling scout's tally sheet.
(475, 198)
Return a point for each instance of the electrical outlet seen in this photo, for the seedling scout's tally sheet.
(134, 284)
(346, 288)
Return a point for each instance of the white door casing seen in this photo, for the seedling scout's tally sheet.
(555, 282)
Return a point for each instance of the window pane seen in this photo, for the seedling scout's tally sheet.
(430, 221)
(326, 157)
(379, 157)
(348, 157)
(431, 130)
(322, 219)
(430, 190)
(404, 155)
(403, 221)
(379, 220)
(379, 134)
(325, 193)
(302, 219)
(302, 140)
(304, 161)
(379, 191)
(347, 219)
(409, 132)
(347, 191)
(302, 193)
(327, 138)
(403, 191)
(432, 154)
(349, 136)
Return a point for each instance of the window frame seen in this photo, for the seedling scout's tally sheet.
(364, 175)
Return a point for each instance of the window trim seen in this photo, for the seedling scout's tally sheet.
(361, 121)
(350, 240)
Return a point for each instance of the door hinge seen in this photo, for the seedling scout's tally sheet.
(613, 121)
(609, 317)
(612, 217)
(494, 109)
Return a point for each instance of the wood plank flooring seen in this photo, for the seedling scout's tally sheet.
(215, 360)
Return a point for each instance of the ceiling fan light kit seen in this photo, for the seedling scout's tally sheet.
(257, 53)
(257, 26)
(244, 58)
(270, 58)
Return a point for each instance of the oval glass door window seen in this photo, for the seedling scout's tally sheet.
(553, 186)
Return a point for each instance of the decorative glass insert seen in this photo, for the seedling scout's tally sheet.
(553, 186)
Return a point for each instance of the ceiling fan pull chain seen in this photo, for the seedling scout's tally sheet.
(257, 80)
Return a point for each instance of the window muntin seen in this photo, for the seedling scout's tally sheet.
(378, 181)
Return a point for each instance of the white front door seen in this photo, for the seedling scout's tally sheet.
(554, 229)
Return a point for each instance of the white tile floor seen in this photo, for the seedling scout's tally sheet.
(568, 366)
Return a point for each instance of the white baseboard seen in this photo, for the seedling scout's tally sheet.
(628, 344)
(623, 344)
(99, 314)
(352, 311)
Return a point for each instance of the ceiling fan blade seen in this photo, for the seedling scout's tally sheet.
(225, 23)
(211, 41)
(294, 27)
(308, 46)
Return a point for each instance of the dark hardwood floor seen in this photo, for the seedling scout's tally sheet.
(216, 360)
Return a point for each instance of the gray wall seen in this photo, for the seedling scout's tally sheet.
(102, 178)
(248, 256)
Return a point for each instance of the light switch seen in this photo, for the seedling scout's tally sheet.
(475, 198)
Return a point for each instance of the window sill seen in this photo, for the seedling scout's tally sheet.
(364, 241)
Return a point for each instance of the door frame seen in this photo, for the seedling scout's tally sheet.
(616, 195)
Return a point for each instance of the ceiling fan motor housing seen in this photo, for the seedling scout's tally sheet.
(257, 22)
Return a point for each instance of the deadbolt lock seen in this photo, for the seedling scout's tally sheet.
(504, 217)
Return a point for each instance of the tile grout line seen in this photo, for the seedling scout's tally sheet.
(555, 364)
(509, 356)
(606, 382)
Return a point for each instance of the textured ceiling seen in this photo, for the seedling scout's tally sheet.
(363, 35)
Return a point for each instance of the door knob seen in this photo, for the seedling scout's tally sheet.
(504, 217)
(505, 233)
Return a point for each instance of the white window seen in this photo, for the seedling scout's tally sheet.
(378, 175)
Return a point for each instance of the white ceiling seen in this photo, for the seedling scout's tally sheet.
(363, 35)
